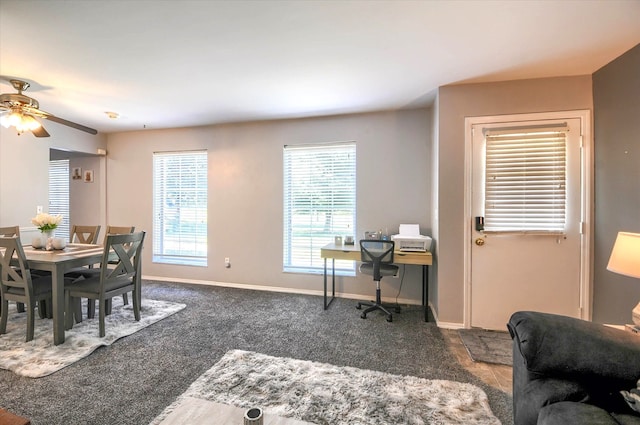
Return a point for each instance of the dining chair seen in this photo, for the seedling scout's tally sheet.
(9, 232)
(124, 251)
(84, 234)
(89, 272)
(17, 284)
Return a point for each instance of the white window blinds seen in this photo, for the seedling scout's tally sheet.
(525, 181)
(180, 208)
(59, 195)
(319, 203)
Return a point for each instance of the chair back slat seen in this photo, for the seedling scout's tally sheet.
(10, 231)
(120, 230)
(84, 234)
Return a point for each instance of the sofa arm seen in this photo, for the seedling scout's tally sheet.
(533, 391)
(563, 346)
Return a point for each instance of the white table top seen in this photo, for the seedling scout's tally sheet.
(195, 411)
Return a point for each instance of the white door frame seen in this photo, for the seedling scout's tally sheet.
(586, 207)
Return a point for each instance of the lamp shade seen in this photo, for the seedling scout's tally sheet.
(625, 256)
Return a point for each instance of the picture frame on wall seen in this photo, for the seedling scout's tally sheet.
(77, 173)
(88, 176)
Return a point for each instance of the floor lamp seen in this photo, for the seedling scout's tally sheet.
(625, 260)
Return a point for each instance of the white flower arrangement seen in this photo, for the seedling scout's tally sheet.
(46, 222)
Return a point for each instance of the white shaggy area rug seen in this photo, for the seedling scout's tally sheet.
(40, 357)
(326, 394)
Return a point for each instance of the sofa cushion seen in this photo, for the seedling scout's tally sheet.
(569, 412)
(624, 419)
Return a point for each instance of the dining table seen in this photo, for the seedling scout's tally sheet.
(59, 262)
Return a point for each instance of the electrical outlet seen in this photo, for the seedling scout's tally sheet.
(227, 263)
(39, 209)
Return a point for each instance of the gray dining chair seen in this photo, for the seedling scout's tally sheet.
(89, 272)
(9, 232)
(124, 252)
(17, 284)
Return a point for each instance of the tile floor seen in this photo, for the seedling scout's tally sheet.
(498, 376)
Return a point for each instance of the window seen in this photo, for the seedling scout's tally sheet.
(59, 195)
(180, 208)
(525, 181)
(319, 203)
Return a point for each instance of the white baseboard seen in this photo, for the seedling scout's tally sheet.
(445, 325)
(285, 290)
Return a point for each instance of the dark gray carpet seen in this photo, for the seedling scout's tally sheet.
(488, 346)
(133, 380)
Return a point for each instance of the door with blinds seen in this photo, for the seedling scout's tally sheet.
(526, 220)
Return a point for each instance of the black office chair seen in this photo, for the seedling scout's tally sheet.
(377, 260)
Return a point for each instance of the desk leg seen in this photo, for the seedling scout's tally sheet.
(333, 283)
(57, 284)
(325, 283)
(333, 279)
(425, 292)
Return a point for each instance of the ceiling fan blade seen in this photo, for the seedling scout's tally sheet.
(71, 124)
(46, 115)
(40, 132)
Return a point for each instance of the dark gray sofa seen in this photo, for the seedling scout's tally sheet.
(570, 371)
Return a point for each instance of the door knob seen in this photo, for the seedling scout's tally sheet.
(479, 241)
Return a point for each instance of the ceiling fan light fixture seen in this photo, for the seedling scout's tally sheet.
(112, 115)
(20, 121)
(28, 124)
(12, 119)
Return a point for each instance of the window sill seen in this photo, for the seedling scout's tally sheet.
(196, 262)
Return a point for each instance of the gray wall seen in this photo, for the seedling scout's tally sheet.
(422, 148)
(616, 98)
(246, 196)
(455, 103)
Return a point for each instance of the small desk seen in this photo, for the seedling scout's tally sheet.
(352, 252)
(58, 262)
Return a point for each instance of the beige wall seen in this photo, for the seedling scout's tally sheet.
(454, 104)
(87, 201)
(246, 199)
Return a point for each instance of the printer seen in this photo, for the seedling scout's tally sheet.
(409, 239)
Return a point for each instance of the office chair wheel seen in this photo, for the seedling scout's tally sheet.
(363, 316)
(359, 307)
(389, 318)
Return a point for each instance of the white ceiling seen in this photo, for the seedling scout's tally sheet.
(168, 63)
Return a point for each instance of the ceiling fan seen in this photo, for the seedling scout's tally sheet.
(21, 111)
